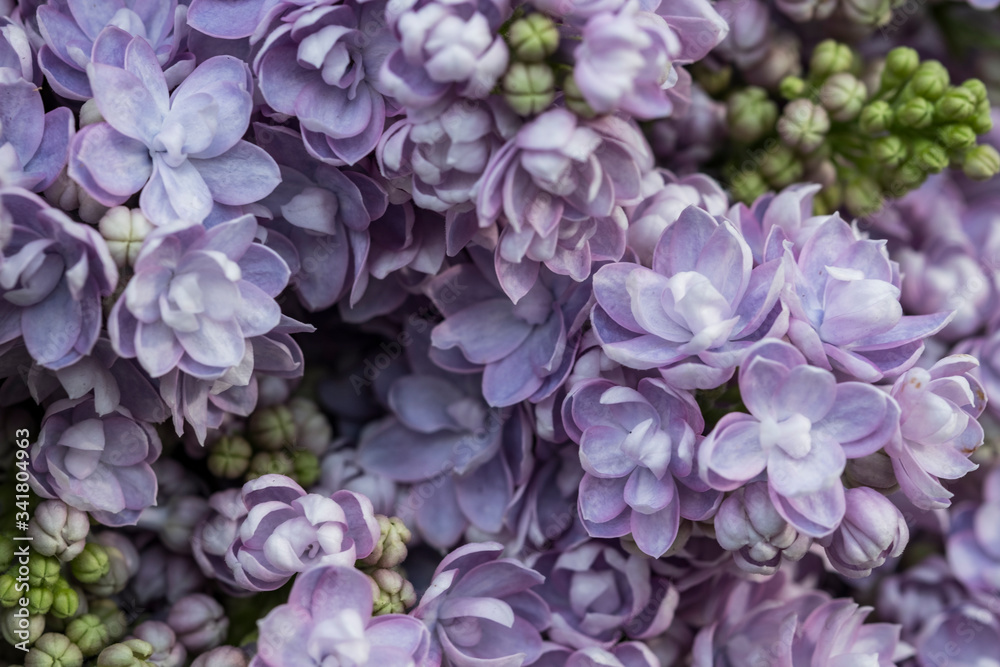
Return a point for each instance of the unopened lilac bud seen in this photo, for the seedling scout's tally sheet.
(781, 167)
(230, 457)
(305, 468)
(390, 550)
(792, 87)
(981, 163)
(53, 650)
(65, 600)
(529, 88)
(199, 621)
(890, 150)
(982, 122)
(40, 600)
(123, 562)
(56, 529)
(830, 57)
(222, 656)
(929, 155)
(900, 64)
(12, 621)
(64, 193)
(312, 428)
(956, 105)
(175, 521)
(9, 595)
(129, 653)
(843, 95)
(272, 428)
(930, 81)
(392, 593)
(111, 615)
(90, 211)
(43, 571)
(748, 524)
(875, 118)
(574, 99)
(750, 114)
(872, 530)
(124, 230)
(89, 633)
(167, 651)
(803, 126)
(533, 38)
(867, 12)
(915, 114)
(783, 59)
(90, 114)
(270, 463)
(91, 564)
(862, 196)
(746, 186)
(957, 136)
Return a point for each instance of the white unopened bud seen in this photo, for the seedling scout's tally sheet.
(124, 229)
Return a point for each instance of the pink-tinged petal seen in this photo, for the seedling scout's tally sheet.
(655, 533)
(727, 261)
(923, 490)
(242, 175)
(601, 500)
(816, 514)
(732, 453)
(115, 163)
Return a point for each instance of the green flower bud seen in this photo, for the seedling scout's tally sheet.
(305, 467)
(230, 457)
(830, 57)
(9, 595)
(43, 571)
(65, 600)
(113, 618)
(91, 564)
(843, 95)
(957, 104)
(746, 186)
(957, 136)
(89, 633)
(392, 593)
(932, 157)
(15, 628)
(803, 126)
(713, 80)
(53, 650)
(574, 99)
(909, 176)
(981, 163)
(130, 653)
(977, 88)
(889, 151)
(867, 12)
(272, 428)
(390, 550)
(915, 114)
(750, 114)
(792, 87)
(900, 64)
(40, 600)
(266, 463)
(529, 88)
(311, 425)
(862, 196)
(931, 80)
(780, 167)
(982, 122)
(533, 38)
(875, 118)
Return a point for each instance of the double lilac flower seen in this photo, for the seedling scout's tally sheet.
(34, 145)
(184, 150)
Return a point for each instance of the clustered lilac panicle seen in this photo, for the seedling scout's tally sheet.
(465, 333)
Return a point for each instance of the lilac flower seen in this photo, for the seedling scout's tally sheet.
(212, 538)
(185, 152)
(692, 136)
(328, 621)
(320, 64)
(100, 464)
(971, 626)
(440, 154)
(873, 530)
(34, 145)
(919, 593)
(938, 430)
(195, 299)
(199, 622)
(775, 218)
(287, 531)
(633, 444)
(801, 429)
(696, 311)
(226, 19)
(53, 275)
(626, 654)
(535, 186)
(480, 608)
(986, 349)
(15, 50)
(599, 594)
(525, 350)
(750, 32)
(749, 525)
(445, 46)
(973, 545)
(77, 32)
(167, 651)
(844, 303)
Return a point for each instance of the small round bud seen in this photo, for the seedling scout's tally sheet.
(124, 229)
(89, 633)
(574, 99)
(130, 653)
(393, 594)
(113, 618)
(91, 564)
(223, 656)
(890, 151)
(40, 600)
(955, 105)
(714, 80)
(167, 651)
(230, 457)
(843, 95)
(875, 118)
(15, 628)
(750, 114)
(915, 114)
(390, 550)
(862, 196)
(199, 621)
(306, 468)
(781, 168)
(828, 200)
(53, 650)
(803, 126)
(90, 211)
(529, 88)
(116, 578)
(900, 64)
(533, 38)
(746, 186)
(909, 176)
(272, 428)
(932, 157)
(58, 530)
(981, 163)
(977, 88)
(830, 57)
(312, 428)
(931, 80)
(65, 600)
(43, 571)
(270, 463)
(982, 122)
(64, 193)
(792, 87)
(867, 12)
(9, 595)
(90, 114)
(956, 136)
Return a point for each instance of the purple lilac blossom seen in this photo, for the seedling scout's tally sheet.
(637, 447)
(15, 49)
(320, 64)
(53, 275)
(96, 463)
(446, 47)
(696, 311)
(77, 33)
(483, 609)
(802, 428)
(938, 428)
(973, 546)
(968, 632)
(328, 621)
(775, 218)
(873, 530)
(184, 151)
(626, 654)
(749, 525)
(534, 186)
(34, 145)
(212, 538)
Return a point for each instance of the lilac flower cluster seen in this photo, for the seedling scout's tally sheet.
(433, 333)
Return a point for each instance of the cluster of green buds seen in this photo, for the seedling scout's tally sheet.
(391, 592)
(865, 136)
(285, 439)
(529, 85)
